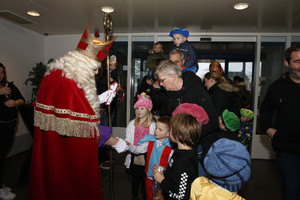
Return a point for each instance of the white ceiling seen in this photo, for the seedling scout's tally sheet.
(142, 16)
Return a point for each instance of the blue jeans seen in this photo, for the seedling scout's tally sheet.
(289, 170)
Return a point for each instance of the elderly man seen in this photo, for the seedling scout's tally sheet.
(177, 56)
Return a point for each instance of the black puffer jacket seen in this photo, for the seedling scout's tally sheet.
(225, 96)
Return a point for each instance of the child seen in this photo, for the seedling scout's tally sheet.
(180, 36)
(158, 148)
(228, 165)
(183, 166)
(229, 123)
(136, 129)
(202, 118)
(245, 132)
(155, 54)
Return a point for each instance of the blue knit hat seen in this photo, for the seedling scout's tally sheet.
(181, 31)
(228, 163)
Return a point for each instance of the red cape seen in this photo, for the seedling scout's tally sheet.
(64, 161)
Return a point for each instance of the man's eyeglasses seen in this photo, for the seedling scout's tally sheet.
(162, 80)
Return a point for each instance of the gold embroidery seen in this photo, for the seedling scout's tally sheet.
(65, 126)
(65, 111)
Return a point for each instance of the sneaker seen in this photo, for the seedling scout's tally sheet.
(6, 188)
(105, 165)
(6, 195)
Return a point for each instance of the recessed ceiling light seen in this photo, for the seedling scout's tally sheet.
(33, 13)
(241, 6)
(107, 9)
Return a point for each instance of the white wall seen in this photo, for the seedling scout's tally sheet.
(20, 50)
(58, 45)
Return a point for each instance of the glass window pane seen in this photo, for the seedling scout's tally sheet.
(271, 68)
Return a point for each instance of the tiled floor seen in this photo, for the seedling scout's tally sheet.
(264, 182)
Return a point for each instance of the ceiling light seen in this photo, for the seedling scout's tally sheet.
(240, 6)
(33, 13)
(107, 9)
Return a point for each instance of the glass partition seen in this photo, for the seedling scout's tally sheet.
(118, 109)
(141, 46)
(271, 67)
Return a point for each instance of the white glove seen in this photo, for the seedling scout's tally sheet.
(121, 146)
(127, 161)
(107, 96)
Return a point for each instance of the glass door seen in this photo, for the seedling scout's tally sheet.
(271, 67)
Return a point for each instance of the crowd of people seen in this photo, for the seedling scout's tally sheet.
(189, 139)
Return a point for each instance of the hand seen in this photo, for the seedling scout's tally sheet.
(271, 132)
(112, 141)
(106, 97)
(5, 90)
(158, 176)
(10, 103)
(156, 84)
(128, 144)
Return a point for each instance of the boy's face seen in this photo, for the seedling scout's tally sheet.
(244, 118)
(157, 48)
(178, 39)
(161, 131)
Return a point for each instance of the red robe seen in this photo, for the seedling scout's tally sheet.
(65, 157)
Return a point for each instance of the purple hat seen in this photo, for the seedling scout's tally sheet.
(193, 109)
(181, 31)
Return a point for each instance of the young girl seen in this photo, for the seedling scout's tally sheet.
(183, 165)
(142, 124)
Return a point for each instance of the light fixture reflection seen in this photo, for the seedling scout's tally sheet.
(33, 13)
(107, 9)
(240, 6)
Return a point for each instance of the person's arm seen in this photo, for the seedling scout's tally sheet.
(17, 98)
(192, 56)
(206, 103)
(118, 144)
(139, 149)
(5, 90)
(14, 103)
(155, 94)
(266, 112)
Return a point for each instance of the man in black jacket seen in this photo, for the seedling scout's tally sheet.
(283, 98)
